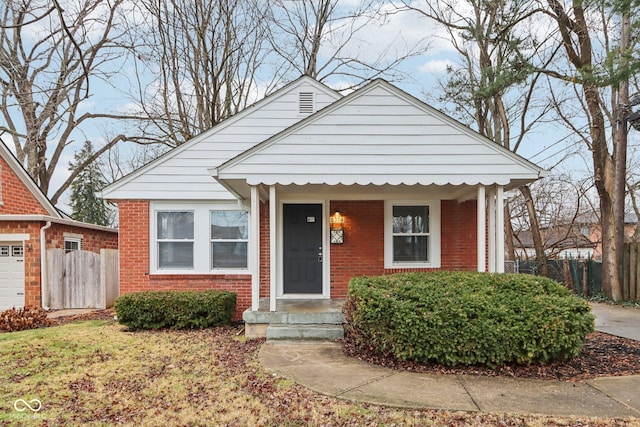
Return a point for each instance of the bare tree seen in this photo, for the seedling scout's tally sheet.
(327, 38)
(599, 61)
(495, 81)
(49, 53)
(203, 58)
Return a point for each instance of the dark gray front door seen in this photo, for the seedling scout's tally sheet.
(302, 244)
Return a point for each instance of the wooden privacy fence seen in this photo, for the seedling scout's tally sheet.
(81, 279)
(631, 272)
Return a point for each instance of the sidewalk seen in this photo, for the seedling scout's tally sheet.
(322, 366)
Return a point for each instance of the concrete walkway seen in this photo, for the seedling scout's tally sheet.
(323, 367)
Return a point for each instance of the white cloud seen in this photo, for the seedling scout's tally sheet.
(435, 66)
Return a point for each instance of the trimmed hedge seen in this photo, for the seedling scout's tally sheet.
(467, 318)
(175, 310)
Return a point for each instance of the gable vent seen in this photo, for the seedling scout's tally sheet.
(305, 103)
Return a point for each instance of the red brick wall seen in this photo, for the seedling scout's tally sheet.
(134, 262)
(95, 240)
(92, 240)
(362, 253)
(16, 198)
(265, 259)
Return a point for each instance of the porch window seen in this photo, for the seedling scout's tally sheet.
(175, 239)
(229, 239)
(412, 234)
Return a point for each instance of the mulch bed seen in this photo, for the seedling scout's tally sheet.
(603, 355)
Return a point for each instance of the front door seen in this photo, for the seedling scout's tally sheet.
(302, 248)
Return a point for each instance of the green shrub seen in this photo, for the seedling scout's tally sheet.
(467, 318)
(175, 310)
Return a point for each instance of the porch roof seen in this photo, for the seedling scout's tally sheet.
(376, 136)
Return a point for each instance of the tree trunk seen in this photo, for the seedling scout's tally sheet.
(536, 235)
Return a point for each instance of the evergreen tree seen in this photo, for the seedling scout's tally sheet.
(85, 205)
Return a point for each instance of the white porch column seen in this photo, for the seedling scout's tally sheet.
(492, 230)
(254, 242)
(482, 229)
(500, 229)
(273, 247)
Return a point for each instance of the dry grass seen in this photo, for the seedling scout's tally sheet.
(97, 373)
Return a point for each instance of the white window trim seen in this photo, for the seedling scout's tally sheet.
(201, 237)
(75, 238)
(434, 249)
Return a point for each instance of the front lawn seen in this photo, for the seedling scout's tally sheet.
(97, 373)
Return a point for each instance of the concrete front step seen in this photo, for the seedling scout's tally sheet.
(334, 318)
(280, 331)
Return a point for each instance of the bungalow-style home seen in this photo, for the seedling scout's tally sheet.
(291, 197)
(29, 224)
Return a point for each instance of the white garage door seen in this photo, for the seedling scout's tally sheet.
(11, 275)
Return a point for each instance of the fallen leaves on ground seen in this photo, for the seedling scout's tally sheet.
(98, 373)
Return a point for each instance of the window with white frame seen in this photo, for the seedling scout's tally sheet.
(72, 244)
(175, 239)
(412, 234)
(229, 239)
(198, 238)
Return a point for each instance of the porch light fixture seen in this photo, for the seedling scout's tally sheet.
(336, 222)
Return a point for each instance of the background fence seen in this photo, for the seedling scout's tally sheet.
(631, 272)
(81, 279)
(584, 276)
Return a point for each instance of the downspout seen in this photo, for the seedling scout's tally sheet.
(43, 265)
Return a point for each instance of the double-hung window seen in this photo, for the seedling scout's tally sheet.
(229, 239)
(412, 234)
(175, 239)
(199, 238)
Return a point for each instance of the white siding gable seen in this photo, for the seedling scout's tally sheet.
(378, 135)
(182, 173)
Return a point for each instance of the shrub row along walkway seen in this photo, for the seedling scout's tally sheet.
(323, 367)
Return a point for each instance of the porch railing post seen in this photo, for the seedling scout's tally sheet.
(255, 248)
(273, 247)
(482, 229)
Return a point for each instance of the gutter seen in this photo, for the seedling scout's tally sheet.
(54, 220)
(43, 265)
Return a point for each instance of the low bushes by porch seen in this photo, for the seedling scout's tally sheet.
(175, 309)
(466, 318)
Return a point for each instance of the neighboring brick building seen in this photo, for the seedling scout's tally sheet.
(28, 222)
(293, 196)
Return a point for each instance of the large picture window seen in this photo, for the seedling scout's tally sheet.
(175, 237)
(229, 239)
(412, 234)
